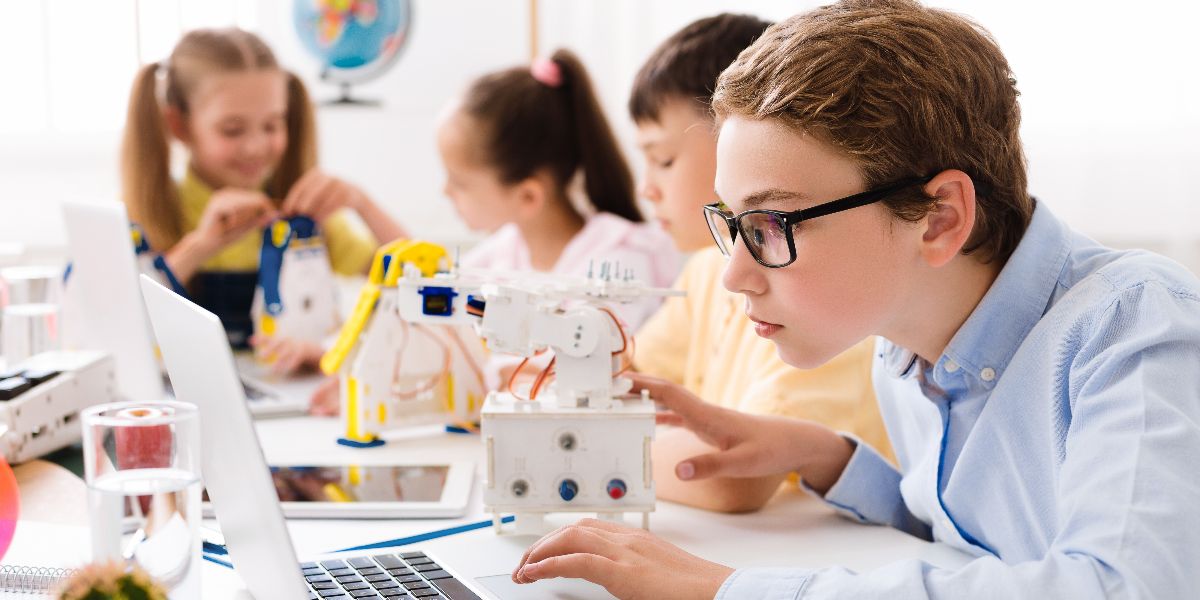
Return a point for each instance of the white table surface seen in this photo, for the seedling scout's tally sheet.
(792, 530)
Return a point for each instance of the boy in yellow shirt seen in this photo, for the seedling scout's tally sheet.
(705, 341)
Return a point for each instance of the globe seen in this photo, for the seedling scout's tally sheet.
(355, 40)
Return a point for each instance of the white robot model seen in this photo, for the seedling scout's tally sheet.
(581, 444)
(296, 292)
(396, 374)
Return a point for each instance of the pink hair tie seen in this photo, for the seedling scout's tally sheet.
(546, 71)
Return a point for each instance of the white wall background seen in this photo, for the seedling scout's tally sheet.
(1110, 96)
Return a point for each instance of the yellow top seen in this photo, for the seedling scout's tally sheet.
(351, 245)
(705, 342)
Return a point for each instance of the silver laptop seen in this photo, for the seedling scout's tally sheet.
(243, 495)
(107, 311)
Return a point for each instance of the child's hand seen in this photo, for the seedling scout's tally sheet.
(325, 401)
(628, 562)
(318, 195)
(286, 355)
(749, 445)
(232, 213)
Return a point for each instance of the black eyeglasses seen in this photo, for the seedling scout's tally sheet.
(768, 233)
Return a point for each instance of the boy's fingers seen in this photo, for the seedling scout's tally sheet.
(571, 540)
(666, 418)
(681, 402)
(596, 569)
(726, 463)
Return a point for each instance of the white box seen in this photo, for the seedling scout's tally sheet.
(544, 458)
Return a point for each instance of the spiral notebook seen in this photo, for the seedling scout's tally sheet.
(41, 556)
(30, 582)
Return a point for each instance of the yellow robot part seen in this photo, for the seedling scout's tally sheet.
(425, 256)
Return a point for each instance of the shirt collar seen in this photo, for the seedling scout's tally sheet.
(1015, 302)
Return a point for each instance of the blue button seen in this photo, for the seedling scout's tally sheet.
(568, 489)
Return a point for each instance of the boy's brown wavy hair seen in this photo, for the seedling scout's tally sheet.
(902, 90)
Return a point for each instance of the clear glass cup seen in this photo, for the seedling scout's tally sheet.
(142, 466)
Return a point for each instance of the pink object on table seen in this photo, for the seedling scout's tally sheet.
(10, 506)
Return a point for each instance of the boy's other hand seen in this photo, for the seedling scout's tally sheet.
(749, 445)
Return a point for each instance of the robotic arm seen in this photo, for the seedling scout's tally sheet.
(524, 318)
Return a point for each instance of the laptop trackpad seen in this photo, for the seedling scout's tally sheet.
(502, 587)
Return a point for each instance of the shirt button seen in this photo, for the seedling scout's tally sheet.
(950, 366)
(987, 374)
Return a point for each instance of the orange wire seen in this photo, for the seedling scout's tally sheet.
(627, 342)
(432, 382)
(512, 378)
(467, 357)
(541, 379)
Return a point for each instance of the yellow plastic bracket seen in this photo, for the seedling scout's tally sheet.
(449, 393)
(267, 325)
(424, 255)
(279, 233)
(352, 416)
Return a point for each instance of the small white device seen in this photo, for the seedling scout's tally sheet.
(395, 373)
(41, 397)
(296, 295)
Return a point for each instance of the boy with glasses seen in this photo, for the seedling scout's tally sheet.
(704, 341)
(1042, 392)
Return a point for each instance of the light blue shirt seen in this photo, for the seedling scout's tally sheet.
(1057, 439)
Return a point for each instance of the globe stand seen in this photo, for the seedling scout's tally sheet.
(346, 99)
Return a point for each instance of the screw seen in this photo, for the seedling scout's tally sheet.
(520, 487)
(567, 441)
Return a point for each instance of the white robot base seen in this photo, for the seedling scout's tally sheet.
(545, 458)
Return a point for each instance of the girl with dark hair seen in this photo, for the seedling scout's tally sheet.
(512, 147)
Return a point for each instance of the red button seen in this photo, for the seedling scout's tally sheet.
(616, 489)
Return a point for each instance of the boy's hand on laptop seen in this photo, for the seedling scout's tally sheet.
(628, 562)
(286, 355)
(749, 445)
(318, 195)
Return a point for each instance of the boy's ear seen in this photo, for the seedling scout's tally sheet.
(949, 223)
(176, 124)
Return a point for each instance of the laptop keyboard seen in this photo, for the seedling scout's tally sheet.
(406, 576)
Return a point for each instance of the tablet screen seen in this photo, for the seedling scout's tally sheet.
(359, 483)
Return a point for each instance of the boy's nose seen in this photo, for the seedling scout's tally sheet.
(743, 275)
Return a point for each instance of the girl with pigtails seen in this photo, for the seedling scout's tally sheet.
(248, 128)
